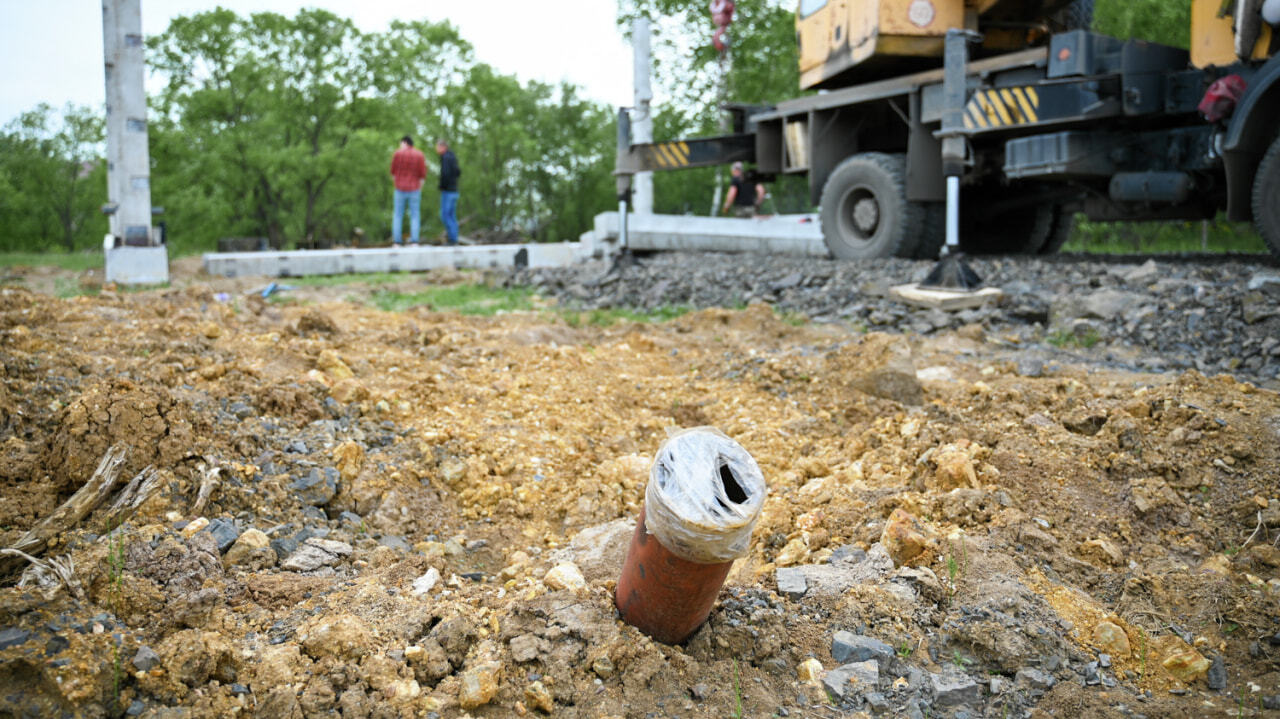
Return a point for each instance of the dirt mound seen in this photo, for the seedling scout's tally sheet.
(359, 512)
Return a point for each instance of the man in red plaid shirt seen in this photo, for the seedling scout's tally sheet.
(408, 169)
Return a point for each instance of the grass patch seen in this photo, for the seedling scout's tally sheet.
(1080, 340)
(612, 316)
(75, 261)
(1125, 238)
(463, 299)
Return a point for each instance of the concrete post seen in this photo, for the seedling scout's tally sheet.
(642, 127)
(133, 254)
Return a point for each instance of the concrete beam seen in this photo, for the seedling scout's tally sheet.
(779, 235)
(300, 263)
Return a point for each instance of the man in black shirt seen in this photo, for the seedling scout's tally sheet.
(745, 194)
(449, 173)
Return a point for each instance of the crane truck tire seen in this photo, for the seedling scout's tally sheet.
(1064, 221)
(865, 212)
(1266, 206)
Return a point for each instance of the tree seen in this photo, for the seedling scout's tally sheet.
(52, 179)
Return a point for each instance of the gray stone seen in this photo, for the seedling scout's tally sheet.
(1035, 678)
(395, 542)
(1217, 676)
(284, 546)
(13, 636)
(1030, 367)
(309, 532)
(876, 702)
(241, 410)
(1256, 307)
(1103, 304)
(1104, 661)
(1091, 676)
(146, 659)
(1266, 283)
(858, 676)
(953, 689)
(317, 488)
(224, 532)
(1144, 274)
(1271, 702)
(136, 707)
(316, 553)
(998, 685)
(849, 647)
(791, 582)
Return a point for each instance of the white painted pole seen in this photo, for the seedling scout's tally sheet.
(953, 215)
(128, 163)
(642, 118)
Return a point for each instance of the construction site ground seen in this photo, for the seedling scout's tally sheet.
(392, 500)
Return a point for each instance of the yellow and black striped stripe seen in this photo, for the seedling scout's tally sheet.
(668, 155)
(1002, 107)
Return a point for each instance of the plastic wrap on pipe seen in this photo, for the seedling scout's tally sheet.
(704, 495)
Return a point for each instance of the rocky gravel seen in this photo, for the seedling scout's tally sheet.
(1213, 315)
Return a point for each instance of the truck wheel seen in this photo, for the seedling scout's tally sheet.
(1064, 221)
(1266, 188)
(865, 212)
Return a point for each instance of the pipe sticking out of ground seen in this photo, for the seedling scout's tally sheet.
(704, 495)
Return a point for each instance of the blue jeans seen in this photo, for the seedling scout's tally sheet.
(414, 201)
(449, 215)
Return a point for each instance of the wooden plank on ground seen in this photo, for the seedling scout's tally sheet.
(948, 300)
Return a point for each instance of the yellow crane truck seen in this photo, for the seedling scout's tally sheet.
(1038, 118)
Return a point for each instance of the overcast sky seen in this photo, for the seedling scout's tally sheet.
(51, 51)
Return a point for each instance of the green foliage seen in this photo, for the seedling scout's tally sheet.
(52, 180)
(1068, 338)
(1166, 237)
(76, 262)
(463, 299)
(1161, 21)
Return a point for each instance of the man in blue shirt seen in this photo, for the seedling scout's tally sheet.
(449, 173)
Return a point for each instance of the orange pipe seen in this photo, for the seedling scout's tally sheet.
(661, 594)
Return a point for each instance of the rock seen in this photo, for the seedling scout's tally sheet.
(426, 582)
(316, 322)
(791, 582)
(1217, 675)
(699, 691)
(952, 689)
(953, 469)
(316, 553)
(847, 647)
(331, 364)
(348, 457)
(880, 365)
(859, 677)
(396, 542)
(904, 539)
(1256, 307)
(1103, 304)
(1266, 283)
(1102, 550)
(145, 659)
(603, 667)
(284, 546)
(1035, 679)
(565, 576)
(1030, 367)
(194, 527)
(1142, 275)
(809, 671)
(13, 636)
(429, 661)
(526, 647)
(478, 685)
(537, 696)
(343, 637)
(795, 552)
(252, 547)
(1187, 665)
(1152, 493)
(1112, 639)
(317, 488)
